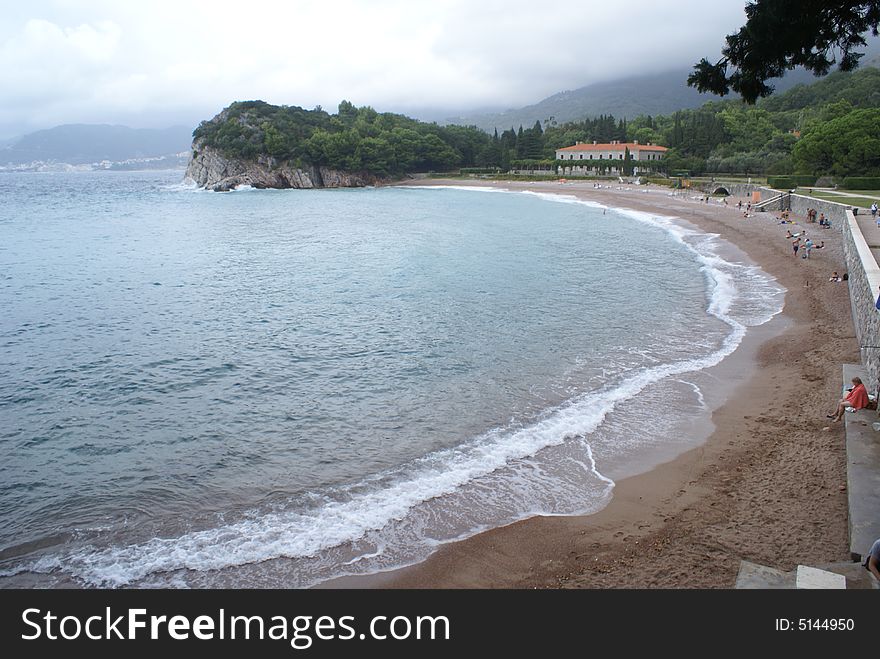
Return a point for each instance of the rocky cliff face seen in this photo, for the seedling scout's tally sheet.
(214, 171)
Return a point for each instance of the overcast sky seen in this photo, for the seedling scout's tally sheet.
(162, 62)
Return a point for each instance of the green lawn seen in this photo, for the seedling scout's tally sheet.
(871, 194)
(861, 202)
(850, 197)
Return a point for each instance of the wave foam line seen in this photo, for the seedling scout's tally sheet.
(294, 534)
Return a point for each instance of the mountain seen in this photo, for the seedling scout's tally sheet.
(661, 93)
(79, 144)
(628, 98)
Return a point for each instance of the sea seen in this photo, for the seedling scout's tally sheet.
(276, 388)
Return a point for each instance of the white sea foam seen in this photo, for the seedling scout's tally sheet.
(466, 188)
(348, 515)
(186, 185)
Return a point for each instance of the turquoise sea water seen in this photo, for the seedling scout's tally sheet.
(272, 388)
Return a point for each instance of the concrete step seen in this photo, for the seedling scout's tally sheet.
(813, 578)
(754, 576)
(857, 577)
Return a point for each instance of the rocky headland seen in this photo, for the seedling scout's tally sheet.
(215, 171)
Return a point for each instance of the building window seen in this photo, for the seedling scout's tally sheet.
(582, 156)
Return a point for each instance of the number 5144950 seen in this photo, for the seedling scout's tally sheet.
(815, 624)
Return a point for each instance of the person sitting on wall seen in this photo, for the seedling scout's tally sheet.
(856, 399)
(872, 562)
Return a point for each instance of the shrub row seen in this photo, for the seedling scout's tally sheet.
(480, 170)
(862, 183)
(790, 182)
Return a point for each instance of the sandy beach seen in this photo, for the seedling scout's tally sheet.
(767, 486)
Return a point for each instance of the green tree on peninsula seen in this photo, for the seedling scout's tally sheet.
(354, 139)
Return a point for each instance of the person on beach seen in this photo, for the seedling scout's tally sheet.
(795, 246)
(834, 276)
(808, 247)
(821, 245)
(857, 398)
(873, 560)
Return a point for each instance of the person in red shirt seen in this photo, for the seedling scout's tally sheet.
(857, 398)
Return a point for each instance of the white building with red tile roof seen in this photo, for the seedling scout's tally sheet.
(582, 153)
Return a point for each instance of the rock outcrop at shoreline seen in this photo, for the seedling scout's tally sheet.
(214, 171)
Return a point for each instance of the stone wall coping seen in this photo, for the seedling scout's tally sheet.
(869, 263)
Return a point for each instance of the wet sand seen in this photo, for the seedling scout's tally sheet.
(768, 484)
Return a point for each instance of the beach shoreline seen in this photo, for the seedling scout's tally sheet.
(765, 486)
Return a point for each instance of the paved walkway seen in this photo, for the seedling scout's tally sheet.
(862, 473)
(871, 232)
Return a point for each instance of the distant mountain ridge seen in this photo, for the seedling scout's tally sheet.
(627, 98)
(81, 144)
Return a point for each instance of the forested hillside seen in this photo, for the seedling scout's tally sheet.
(354, 139)
(829, 127)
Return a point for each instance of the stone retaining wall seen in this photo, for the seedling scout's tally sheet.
(864, 285)
(799, 204)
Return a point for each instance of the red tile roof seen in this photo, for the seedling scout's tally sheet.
(632, 146)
